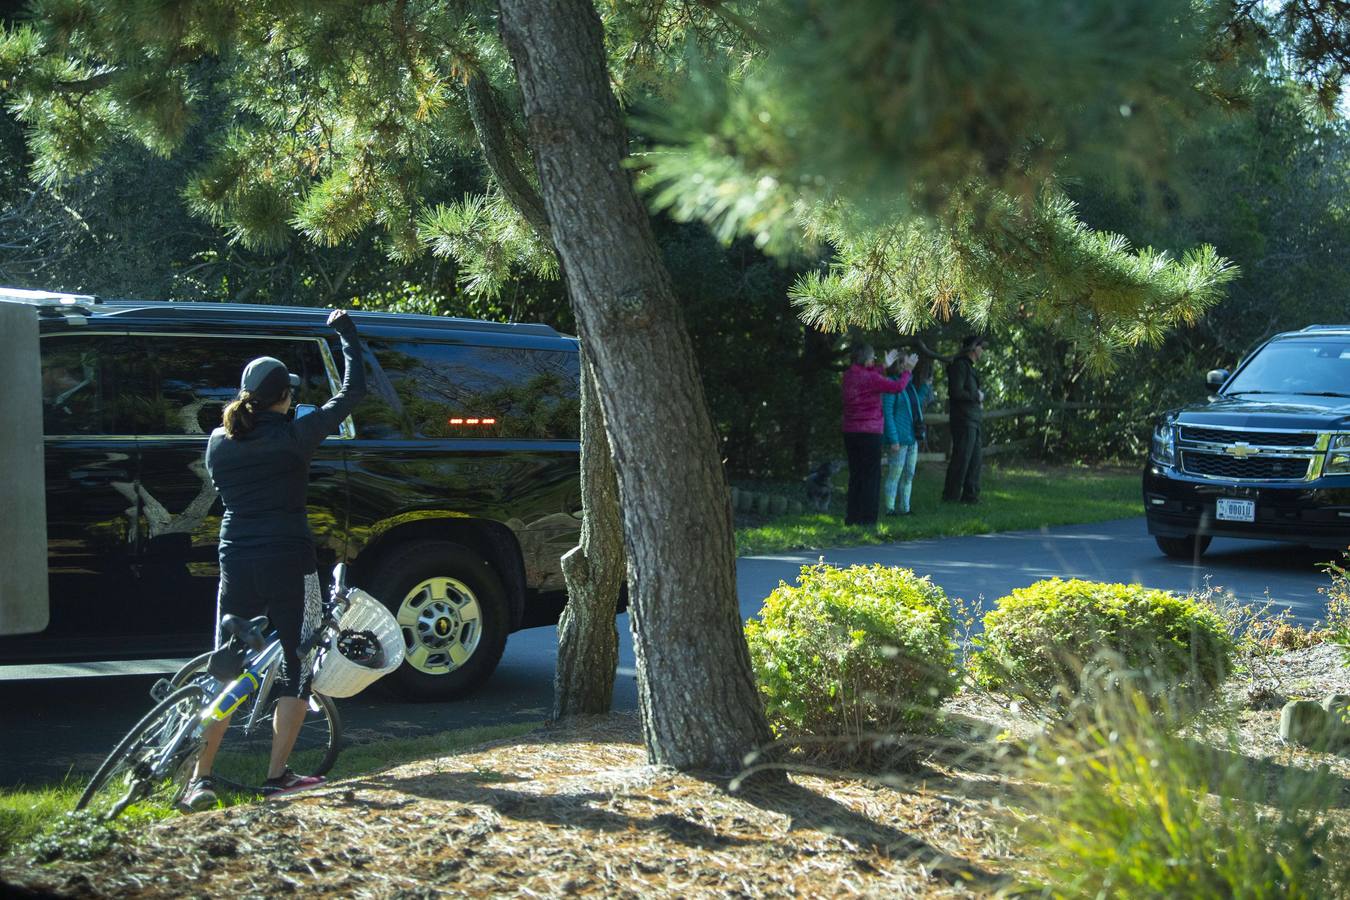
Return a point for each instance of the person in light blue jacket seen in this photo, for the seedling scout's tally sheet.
(902, 430)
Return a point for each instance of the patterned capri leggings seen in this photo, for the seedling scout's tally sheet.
(292, 600)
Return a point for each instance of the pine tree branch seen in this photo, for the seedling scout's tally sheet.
(86, 85)
(180, 55)
(489, 122)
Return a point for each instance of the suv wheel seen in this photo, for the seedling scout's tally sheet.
(1191, 547)
(452, 609)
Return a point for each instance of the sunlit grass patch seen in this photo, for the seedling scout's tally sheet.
(1013, 499)
(41, 815)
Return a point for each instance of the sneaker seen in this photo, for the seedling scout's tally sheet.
(289, 783)
(200, 795)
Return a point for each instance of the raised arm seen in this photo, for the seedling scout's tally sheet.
(312, 429)
(877, 381)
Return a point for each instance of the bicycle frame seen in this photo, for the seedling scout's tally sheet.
(267, 658)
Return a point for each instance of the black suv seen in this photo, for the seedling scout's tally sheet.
(452, 490)
(1267, 458)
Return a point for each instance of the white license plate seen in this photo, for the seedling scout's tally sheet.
(1237, 510)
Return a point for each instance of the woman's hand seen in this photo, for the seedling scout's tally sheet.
(911, 361)
(339, 321)
(891, 357)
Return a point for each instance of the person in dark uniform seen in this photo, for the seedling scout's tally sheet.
(259, 461)
(966, 406)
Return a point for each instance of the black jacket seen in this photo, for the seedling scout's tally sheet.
(263, 477)
(963, 390)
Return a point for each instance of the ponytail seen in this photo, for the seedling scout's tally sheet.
(241, 415)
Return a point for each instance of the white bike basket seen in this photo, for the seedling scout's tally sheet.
(338, 676)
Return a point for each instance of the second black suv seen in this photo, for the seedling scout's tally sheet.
(1267, 458)
(453, 489)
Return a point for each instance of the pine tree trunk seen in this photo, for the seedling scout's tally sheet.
(588, 641)
(700, 708)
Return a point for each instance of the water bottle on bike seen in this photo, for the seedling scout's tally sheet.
(233, 696)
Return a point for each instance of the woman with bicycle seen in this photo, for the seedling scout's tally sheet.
(259, 461)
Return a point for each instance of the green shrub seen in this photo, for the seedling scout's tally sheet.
(1049, 641)
(852, 652)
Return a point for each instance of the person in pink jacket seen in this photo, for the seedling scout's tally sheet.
(864, 383)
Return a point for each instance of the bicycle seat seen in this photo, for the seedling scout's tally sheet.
(250, 631)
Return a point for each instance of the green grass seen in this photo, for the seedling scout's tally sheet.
(1014, 498)
(29, 813)
(1124, 806)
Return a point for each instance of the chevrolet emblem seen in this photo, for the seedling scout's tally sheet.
(1242, 450)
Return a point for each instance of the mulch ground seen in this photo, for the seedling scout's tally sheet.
(576, 810)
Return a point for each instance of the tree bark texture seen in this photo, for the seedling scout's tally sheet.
(588, 640)
(699, 704)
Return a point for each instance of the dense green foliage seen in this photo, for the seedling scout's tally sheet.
(1124, 808)
(846, 653)
(1268, 189)
(372, 154)
(908, 141)
(1062, 642)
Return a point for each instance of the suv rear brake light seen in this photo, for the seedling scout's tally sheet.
(472, 421)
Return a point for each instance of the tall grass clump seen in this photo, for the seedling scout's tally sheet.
(853, 653)
(1058, 642)
(1124, 807)
(1338, 608)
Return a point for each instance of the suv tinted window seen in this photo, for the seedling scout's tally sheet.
(188, 380)
(79, 384)
(458, 391)
(1299, 366)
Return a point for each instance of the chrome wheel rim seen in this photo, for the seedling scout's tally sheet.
(442, 625)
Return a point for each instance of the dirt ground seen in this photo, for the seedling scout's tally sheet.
(577, 811)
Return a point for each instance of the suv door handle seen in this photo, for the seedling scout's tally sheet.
(98, 476)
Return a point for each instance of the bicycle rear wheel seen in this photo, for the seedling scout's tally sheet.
(151, 758)
(247, 746)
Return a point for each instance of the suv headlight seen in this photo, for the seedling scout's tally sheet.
(1162, 450)
(1338, 456)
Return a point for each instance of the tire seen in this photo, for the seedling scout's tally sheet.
(1189, 548)
(129, 773)
(246, 751)
(452, 609)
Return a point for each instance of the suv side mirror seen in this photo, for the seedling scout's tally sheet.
(1214, 380)
(304, 409)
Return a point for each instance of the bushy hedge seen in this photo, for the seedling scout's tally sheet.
(1041, 641)
(849, 652)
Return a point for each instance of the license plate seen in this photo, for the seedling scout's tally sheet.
(1237, 510)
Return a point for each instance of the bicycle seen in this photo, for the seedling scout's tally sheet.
(160, 751)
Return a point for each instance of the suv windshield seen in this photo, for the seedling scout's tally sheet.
(1300, 366)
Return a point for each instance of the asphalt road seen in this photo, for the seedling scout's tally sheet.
(51, 728)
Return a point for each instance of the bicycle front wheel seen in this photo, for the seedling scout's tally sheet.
(246, 747)
(152, 758)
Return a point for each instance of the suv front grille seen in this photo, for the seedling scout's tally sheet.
(1268, 468)
(1255, 438)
